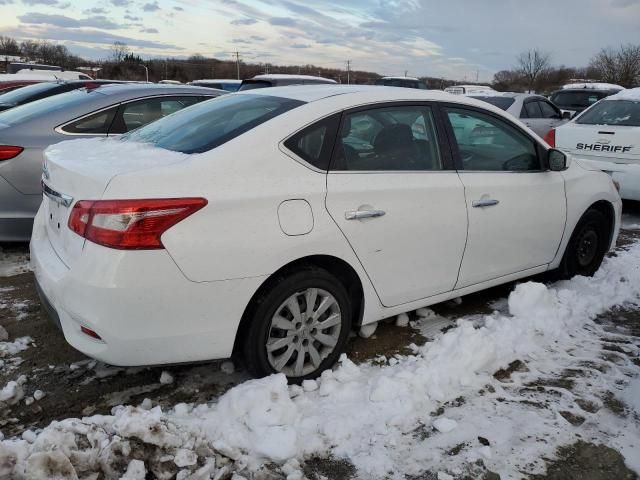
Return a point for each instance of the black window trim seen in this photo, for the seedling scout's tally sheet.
(443, 145)
(541, 150)
(60, 128)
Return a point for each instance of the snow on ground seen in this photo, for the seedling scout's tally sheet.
(389, 420)
(13, 263)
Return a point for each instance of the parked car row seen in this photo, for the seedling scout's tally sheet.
(272, 222)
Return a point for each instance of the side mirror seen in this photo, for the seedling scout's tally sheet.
(556, 160)
(566, 115)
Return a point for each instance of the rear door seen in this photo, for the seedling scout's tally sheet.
(393, 192)
(517, 209)
(533, 118)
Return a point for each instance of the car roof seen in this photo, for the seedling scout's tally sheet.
(364, 93)
(284, 76)
(128, 89)
(217, 80)
(399, 78)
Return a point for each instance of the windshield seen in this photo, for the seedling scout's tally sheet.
(204, 126)
(18, 96)
(500, 102)
(582, 99)
(612, 112)
(29, 111)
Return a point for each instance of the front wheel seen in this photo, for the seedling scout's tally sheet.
(587, 246)
(299, 326)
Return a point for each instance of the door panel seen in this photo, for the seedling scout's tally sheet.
(414, 250)
(516, 210)
(522, 231)
(401, 212)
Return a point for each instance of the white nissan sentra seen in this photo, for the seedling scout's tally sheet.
(272, 223)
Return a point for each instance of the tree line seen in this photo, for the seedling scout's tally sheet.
(535, 72)
(533, 69)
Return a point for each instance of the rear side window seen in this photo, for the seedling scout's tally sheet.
(208, 125)
(315, 143)
(95, 124)
(572, 99)
(136, 114)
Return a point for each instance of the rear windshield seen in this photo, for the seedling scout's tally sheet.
(612, 112)
(18, 96)
(29, 111)
(205, 126)
(500, 102)
(253, 84)
(576, 99)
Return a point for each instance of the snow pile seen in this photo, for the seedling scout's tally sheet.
(632, 94)
(368, 414)
(13, 392)
(8, 349)
(13, 263)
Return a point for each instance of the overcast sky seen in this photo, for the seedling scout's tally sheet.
(448, 38)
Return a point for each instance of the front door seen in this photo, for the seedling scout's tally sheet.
(517, 209)
(395, 196)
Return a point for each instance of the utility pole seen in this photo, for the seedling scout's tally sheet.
(237, 55)
(477, 75)
(405, 72)
(348, 72)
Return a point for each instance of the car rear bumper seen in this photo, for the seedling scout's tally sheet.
(16, 213)
(139, 303)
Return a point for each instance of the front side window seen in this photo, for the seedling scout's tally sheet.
(531, 110)
(612, 112)
(549, 111)
(208, 125)
(486, 143)
(388, 139)
(96, 124)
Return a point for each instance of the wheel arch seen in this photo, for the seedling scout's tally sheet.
(334, 265)
(606, 208)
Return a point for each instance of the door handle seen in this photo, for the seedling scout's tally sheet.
(484, 203)
(359, 214)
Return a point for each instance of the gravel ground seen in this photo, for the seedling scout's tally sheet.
(73, 385)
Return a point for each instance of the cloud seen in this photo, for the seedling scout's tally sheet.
(300, 45)
(178, 9)
(149, 30)
(244, 21)
(132, 18)
(151, 7)
(6, 2)
(283, 21)
(95, 11)
(120, 3)
(97, 21)
(40, 2)
(83, 36)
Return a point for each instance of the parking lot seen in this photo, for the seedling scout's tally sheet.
(573, 395)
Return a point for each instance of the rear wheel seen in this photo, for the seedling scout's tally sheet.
(587, 246)
(299, 326)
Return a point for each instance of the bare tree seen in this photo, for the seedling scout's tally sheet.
(8, 46)
(621, 66)
(119, 50)
(532, 65)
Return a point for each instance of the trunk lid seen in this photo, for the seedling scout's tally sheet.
(619, 144)
(81, 170)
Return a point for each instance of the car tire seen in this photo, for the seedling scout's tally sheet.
(307, 311)
(587, 246)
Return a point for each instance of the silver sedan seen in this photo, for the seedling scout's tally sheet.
(25, 132)
(535, 111)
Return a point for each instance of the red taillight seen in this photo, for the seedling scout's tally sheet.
(130, 224)
(7, 152)
(550, 138)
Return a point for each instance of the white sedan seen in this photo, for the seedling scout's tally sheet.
(608, 136)
(274, 222)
